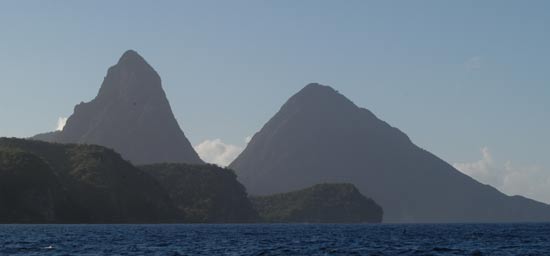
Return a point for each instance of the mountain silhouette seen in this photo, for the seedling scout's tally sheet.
(320, 136)
(131, 115)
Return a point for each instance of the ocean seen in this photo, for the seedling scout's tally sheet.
(276, 239)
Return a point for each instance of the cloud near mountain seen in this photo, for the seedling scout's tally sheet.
(61, 121)
(217, 152)
(512, 179)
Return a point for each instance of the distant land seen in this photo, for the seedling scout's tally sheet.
(42, 182)
(319, 136)
(204, 193)
(322, 203)
(131, 115)
(144, 169)
(57, 183)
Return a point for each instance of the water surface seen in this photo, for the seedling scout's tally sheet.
(306, 239)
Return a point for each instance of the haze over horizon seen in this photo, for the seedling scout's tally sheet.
(472, 88)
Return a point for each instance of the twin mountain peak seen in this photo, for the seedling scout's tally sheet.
(317, 136)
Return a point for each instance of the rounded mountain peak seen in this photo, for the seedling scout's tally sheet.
(131, 79)
(319, 97)
(131, 57)
(317, 88)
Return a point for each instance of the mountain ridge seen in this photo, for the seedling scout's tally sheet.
(319, 136)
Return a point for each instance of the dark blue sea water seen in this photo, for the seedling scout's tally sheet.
(417, 239)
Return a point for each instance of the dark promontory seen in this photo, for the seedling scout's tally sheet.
(322, 203)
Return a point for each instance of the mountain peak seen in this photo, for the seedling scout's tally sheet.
(320, 98)
(131, 78)
(317, 89)
(132, 64)
(131, 56)
(132, 115)
(319, 136)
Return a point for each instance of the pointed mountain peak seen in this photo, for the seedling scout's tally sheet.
(131, 78)
(132, 115)
(133, 61)
(316, 87)
(318, 90)
(319, 136)
(131, 56)
(319, 96)
(130, 52)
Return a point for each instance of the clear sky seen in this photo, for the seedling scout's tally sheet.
(466, 80)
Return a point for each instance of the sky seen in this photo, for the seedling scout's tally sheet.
(467, 80)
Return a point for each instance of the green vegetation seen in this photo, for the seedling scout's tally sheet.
(29, 190)
(323, 203)
(76, 183)
(204, 193)
(43, 182)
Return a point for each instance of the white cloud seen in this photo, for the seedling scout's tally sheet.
(247, 139)
(61, 123)
(529, 181)
(217, 152)
(474, 63)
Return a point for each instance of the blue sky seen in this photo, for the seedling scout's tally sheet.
(457, 76)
